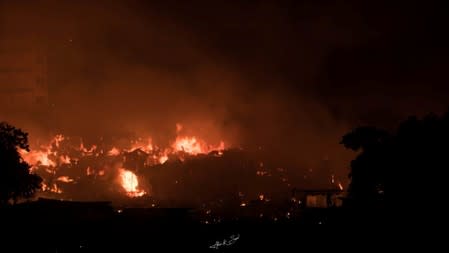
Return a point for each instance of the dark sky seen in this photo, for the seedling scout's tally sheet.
(293, 75)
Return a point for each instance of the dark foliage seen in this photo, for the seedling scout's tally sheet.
(16, 181)
(403, 169)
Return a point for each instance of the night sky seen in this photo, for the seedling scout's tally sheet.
(290, 75)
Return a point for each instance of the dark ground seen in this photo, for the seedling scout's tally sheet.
(94, 227)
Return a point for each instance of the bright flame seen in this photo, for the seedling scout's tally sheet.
(65, 179)
(114, 152)
(61, 150)
(146, 147)
(189, 145)
(194, 146)
(130, 183)
(163, 159)
(35, 158)
(54, 188)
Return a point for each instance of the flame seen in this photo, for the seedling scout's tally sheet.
(87, 151)
(163, 159)
(62, 150)
(36, 158)
(130, 183)
(54, 188)
(188, 144)
(64, 159)
(114, 152)
(58, 139)
(89, 171)
(146, 147)
(194, 146)
(65, 179)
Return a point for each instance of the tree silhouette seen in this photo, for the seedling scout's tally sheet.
(16, 181)
(368, 169)
(405, 169)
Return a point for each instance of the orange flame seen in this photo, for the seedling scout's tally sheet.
(130, 183)
(189, 145)
(194, 146)
(48, 158)
(65, 179)
(114, 152)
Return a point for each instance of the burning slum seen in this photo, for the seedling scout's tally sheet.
(135, 171)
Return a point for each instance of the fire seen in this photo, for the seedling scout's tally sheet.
(62, 153)
(163, 159)
(65, 179)
(54, 188)
(189, 145)
(87, 151)
(114, 152)
(89, 171)
(37, 158)
(130, 183)
(64, 159)
(194, 146)
(144, 146)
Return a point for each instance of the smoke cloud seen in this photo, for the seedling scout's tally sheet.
(284, 77)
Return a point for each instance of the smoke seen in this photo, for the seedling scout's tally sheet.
(256, 74)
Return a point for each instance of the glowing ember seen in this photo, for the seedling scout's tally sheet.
(87, 151)
(130, 183)
(54, 188)
(340, 186)
(89, 171)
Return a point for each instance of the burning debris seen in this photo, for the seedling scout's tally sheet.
(67, 160)
(175, 176)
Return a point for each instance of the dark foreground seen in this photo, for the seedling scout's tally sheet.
(96, 228)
